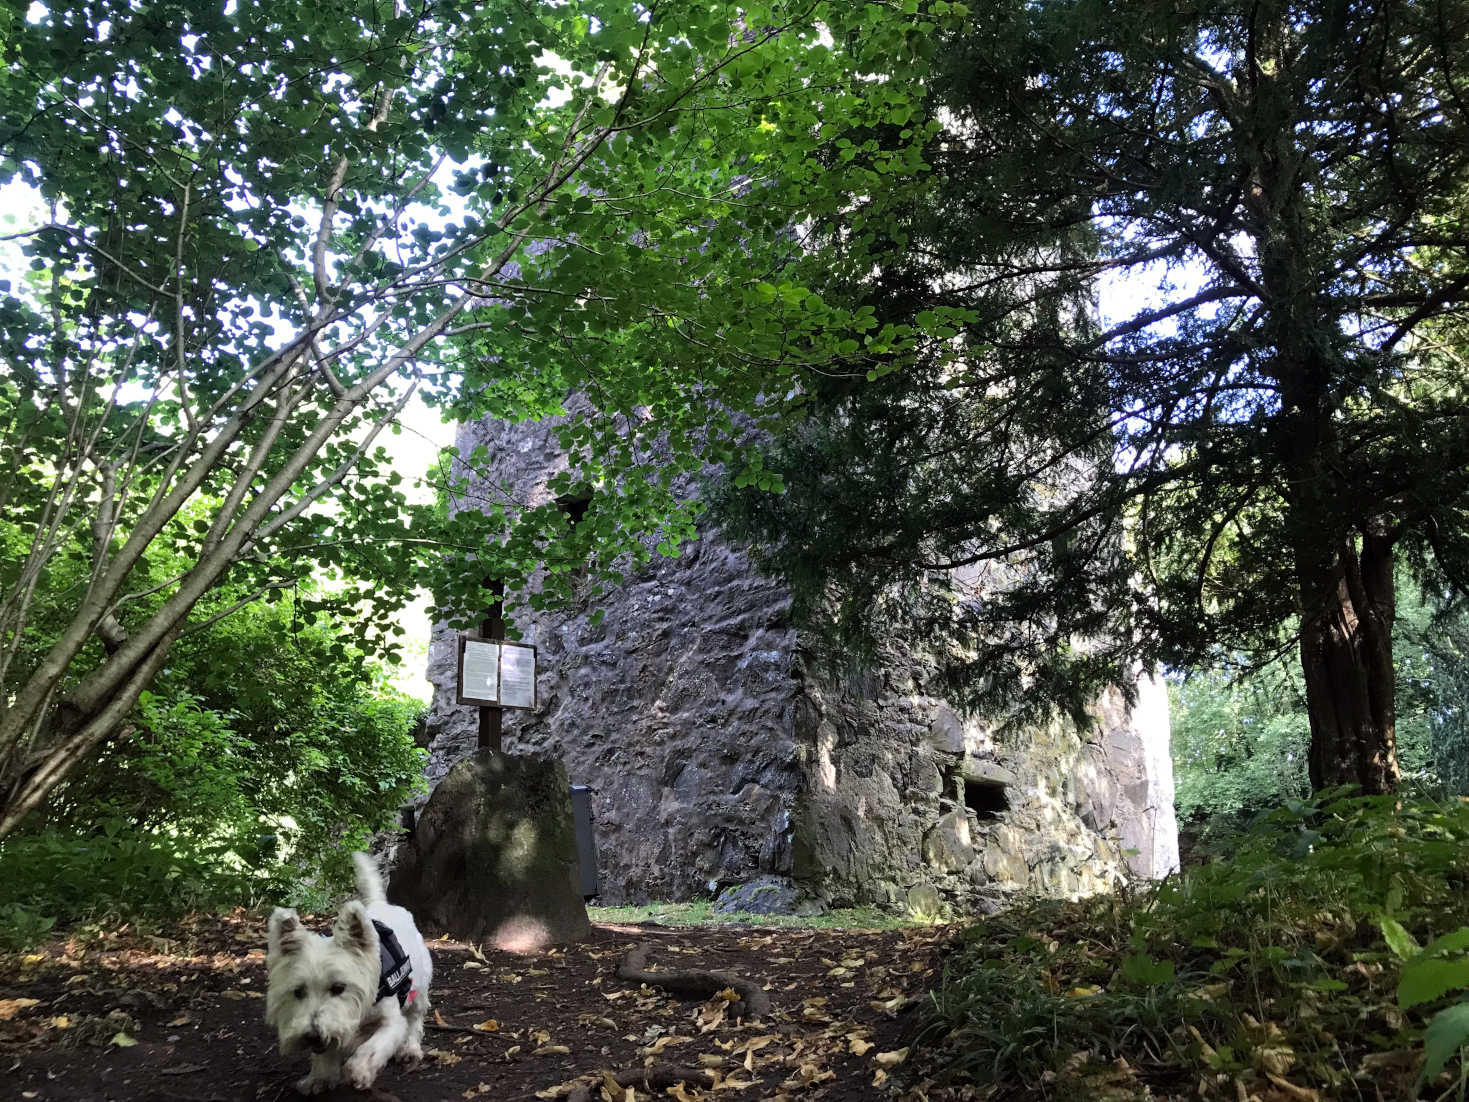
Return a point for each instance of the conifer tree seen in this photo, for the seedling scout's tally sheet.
(1177, 356)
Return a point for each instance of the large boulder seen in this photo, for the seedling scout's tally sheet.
(493, 856)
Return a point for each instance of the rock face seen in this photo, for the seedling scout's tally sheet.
(717, 754)
(493, 856)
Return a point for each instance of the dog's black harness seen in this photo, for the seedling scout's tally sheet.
(395, 977)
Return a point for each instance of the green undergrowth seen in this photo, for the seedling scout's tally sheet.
(702, 913)
(1315, 962)
(51, 880)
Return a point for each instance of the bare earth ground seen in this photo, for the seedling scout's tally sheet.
(180, 1018)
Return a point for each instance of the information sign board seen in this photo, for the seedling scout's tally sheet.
(517, 676)
(496, 673)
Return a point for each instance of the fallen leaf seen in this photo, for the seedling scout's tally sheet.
(9, 1008)
(443, 1056)
(564, 1088)
(858, 1046)
(552, 1050)
(1301, 1094)
(613, 1091)
(489, 1025)
(182, 1019)
(712, 1014)
(477, 1090)
(663, 1042)
(1274, 1060)
(61, 1021)
(891, 1059)
(891, 1006)
(722, 1084)
(122, 1040)
(754, 1044)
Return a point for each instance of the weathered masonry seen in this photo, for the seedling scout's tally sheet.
(717, 756)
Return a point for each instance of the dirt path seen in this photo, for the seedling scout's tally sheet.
(180, 1019)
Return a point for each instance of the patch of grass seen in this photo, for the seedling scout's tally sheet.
(1255, 976)
(701, 913)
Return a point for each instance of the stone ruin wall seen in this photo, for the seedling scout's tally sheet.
(717, 756)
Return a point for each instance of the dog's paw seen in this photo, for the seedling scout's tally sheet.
(410, 1053)
(360, 1072)
(315, 1084)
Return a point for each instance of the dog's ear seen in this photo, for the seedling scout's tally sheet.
(285, 934)
(354, 930)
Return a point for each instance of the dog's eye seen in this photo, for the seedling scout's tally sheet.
(338, 988)
(301, 992)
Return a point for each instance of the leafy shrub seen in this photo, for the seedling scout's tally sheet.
(116, 870)
(1269, 963)
(265, 754)
(21, 927)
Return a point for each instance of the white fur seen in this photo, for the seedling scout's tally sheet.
(322, 991)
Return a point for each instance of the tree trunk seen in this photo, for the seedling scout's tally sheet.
(76, 736)
(1346, 598)
(1346, 656)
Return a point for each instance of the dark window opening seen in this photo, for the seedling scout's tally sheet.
(574, 506)
(987, 799)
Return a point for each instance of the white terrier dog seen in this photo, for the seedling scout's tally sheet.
(355, 999)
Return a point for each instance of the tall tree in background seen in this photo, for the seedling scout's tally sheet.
(253, 253)
(1268, 199)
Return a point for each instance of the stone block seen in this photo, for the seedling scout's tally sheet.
(948, 846)
(989, 771)
(493, 856)
(946, 732)
(925, 901)
(767, 895)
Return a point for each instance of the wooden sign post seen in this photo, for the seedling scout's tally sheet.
(495, 674)
(493, 627)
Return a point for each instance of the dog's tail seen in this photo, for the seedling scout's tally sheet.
(369, 879)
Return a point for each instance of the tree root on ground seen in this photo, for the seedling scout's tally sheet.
(753, 1002)
(653, 1080)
